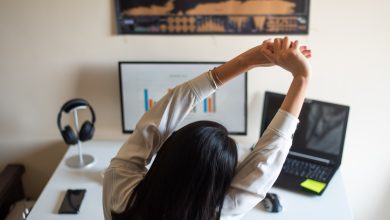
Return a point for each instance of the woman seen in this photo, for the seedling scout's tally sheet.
(195, 173)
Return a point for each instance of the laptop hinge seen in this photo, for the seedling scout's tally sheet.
(310, 157)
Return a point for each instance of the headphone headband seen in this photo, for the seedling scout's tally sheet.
(72, 104)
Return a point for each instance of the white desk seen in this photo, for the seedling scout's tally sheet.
(331, 205)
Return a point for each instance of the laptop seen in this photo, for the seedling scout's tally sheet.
(317, 147)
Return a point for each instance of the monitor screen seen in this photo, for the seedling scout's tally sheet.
(144, 83)
(322, 125)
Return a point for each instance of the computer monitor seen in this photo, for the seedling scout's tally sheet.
(322, 127)
(144, 83)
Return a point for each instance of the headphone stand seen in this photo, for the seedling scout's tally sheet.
(79, 161)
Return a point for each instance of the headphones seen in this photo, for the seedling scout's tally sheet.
(87, 129)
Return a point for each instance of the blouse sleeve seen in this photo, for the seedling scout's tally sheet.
(260, 169)
(127, 168)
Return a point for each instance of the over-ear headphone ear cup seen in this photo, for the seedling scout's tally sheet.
(86, 131)
(69, 136)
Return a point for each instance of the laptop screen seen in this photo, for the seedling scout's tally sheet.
(321, 130)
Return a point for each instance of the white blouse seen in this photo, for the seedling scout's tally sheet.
(254, 175)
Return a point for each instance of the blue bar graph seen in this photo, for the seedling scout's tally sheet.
(146, 100)
(209, 104)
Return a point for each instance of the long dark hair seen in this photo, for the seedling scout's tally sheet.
(189, 177)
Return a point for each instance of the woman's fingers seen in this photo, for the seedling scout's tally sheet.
(277, 45)
(306, 53)
(303, 49)
(267, 41)
(269, 46)
(285, 43)
(295, 45)
(272, 50)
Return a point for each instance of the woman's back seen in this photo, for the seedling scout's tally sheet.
(189, 177)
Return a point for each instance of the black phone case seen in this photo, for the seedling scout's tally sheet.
(72, 201)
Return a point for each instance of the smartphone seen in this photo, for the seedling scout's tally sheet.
(72, 201)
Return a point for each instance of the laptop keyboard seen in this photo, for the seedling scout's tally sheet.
(306, 169)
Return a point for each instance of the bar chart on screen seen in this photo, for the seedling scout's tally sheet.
(148, 102)
(209, 104)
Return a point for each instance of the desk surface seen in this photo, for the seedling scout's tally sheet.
(332, 204)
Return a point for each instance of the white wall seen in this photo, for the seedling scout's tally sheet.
(51, 51)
